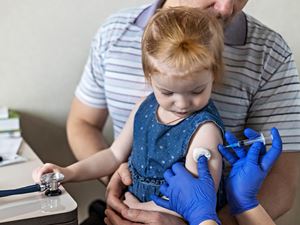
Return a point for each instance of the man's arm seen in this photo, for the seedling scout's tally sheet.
(280, 186)
(84, 129)
(135, 216)
(257, 215)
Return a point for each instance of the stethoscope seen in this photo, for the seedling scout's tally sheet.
(50, 183)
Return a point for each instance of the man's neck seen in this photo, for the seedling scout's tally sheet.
(173, 3)
(170, 3)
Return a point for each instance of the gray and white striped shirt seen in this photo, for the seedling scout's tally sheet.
(260, 90)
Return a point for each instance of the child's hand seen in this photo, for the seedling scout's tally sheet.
(133, 203)
(49, 168)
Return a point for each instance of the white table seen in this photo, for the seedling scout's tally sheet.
(32, 208)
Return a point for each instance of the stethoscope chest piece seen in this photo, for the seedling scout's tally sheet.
(51, 182)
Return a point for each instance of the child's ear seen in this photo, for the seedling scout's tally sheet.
(148, 79)
(213, 78)
(218, 79)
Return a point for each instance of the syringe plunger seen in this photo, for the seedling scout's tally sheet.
(247, 142)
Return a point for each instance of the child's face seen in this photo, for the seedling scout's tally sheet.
(181, 96)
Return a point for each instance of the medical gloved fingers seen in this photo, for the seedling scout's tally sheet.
(263, 150)
(230, 157)
(240, 152)
(179, 169)
(168, 175)
(203, 170)
(160, 202)
(164, 189)
(276, 139)
(231, 139)
(250, 133)
(254, 152)
(272, 155)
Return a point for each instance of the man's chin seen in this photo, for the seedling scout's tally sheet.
(225, 22)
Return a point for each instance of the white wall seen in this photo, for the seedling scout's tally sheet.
(281, 16)
(43, 48)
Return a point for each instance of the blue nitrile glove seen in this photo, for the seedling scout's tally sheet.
(248, 170)
(193, 198)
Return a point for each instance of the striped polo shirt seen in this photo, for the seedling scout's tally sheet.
(260, 90)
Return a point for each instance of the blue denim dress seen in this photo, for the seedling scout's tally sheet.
(156, 146)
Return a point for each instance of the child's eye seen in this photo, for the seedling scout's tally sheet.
(197, 92)
(167, 93)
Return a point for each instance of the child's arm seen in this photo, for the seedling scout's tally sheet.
(101, 164)
(107, 161)
(207, 136)
(133, 203)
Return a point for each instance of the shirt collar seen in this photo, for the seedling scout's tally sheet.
(234, 34)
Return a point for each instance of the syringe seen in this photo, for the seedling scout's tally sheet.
(247, 142)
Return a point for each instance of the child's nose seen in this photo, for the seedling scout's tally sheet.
(182, 104)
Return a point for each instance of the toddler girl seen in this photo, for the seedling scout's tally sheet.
(182, 57)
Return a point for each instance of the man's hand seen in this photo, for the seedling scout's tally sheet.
(115, 188)
(138, 217)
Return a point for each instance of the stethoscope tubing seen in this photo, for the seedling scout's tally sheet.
(22, 190)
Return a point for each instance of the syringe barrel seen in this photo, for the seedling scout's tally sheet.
(248, 142)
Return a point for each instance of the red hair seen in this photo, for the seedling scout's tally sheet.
(182, 40)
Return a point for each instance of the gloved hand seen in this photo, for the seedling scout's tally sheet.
(193, 198)
(248, 170)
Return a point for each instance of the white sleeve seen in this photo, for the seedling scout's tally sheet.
(90, 89)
